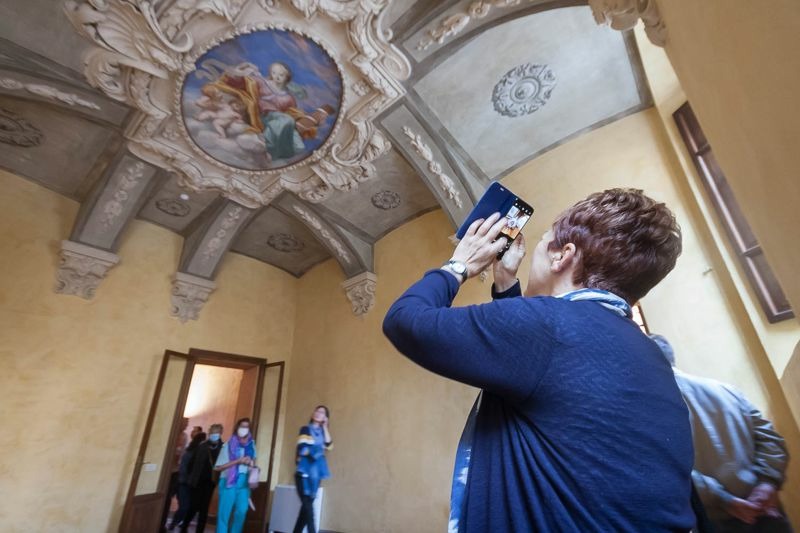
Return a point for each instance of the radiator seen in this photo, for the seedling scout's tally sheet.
(286, 506)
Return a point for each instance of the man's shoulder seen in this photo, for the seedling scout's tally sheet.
(708, 385)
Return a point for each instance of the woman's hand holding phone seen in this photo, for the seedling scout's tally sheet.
(481, 244)
(505, 269)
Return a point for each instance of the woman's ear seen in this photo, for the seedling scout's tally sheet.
(564, 259)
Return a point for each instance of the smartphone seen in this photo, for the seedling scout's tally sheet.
(498, 199)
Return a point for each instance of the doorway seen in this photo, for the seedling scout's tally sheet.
(204, 387)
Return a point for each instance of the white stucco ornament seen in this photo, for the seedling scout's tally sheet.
(625, 14)
(523, 90)
(248, 98)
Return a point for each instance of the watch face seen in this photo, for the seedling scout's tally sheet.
(459, 268)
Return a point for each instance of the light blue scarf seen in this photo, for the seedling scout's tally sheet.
(610, 301)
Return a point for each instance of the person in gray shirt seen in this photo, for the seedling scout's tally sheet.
(740, 459)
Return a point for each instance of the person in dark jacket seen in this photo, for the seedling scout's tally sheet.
(184, 492)
(312, 466)
(203, 479)
(579, 425)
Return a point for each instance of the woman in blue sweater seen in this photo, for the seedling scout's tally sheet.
(579, 425)
(312, 466)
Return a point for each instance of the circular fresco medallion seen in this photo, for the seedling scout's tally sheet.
(386, 200)
(173, 207)
(262, 101)
(284, 242)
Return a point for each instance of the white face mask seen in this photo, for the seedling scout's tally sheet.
(243, 432)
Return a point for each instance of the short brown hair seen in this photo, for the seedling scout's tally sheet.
(626, 242)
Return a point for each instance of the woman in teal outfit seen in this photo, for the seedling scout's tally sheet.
(234, 462)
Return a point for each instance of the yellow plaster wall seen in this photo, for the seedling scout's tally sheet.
(778, 340)
(78, 376)
(396, 426)
(739, 65)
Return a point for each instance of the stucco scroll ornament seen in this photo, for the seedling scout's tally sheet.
(128, 36)
(17, 131)
(625, 14)
(455, 23)
(189, 295)
(329, 237)
(360, 290)
(82, 269)
(424, 151)
(179, 13)
(46, 91)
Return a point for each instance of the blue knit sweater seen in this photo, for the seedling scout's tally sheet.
(581, 426)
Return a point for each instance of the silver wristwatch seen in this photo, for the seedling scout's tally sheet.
(458, 268)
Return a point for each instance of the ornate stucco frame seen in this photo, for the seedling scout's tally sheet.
(138, 61)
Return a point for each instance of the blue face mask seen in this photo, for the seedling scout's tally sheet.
(214, 437)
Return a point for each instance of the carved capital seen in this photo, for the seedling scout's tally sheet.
(360, 291)
(624, 14)
(189, 294)
(82, 269)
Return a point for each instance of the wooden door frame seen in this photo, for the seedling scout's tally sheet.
(282, 366)
(193, 358)
(243, 362)
(137, 466)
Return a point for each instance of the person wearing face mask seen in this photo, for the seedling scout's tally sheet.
(312, 467)
(202, 478)
(234, 462)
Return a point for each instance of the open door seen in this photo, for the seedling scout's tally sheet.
(145, 502)
(259, 398)
(265, 418)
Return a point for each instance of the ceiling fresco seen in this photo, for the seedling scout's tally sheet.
(295, 131)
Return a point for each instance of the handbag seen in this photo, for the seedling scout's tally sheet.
(252, 478)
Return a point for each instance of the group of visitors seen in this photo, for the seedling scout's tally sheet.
(581, 424)
(208, 461)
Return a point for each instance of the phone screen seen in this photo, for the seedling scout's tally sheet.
(516, 218)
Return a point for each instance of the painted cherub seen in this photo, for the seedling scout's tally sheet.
(221, 112)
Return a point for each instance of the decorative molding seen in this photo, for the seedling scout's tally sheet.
(189, 295)
(625, 14)
(229, 222)
(128, 180)
(454, 24)
(47, 92)
(386, 200)
(17, 131)
(523, 90)
(82, 269)
(285, 242)
(424, 151)
(360, 290)
(141, 58)
(332, 241)
(173, 207)
(179, 14)
(361, 87)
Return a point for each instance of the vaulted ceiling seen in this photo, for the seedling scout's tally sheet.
(291, 131)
